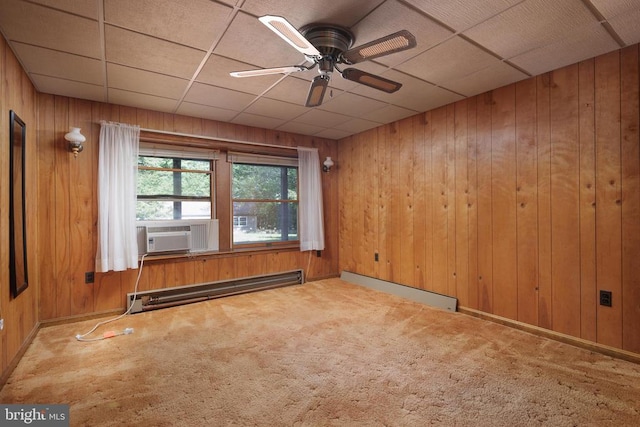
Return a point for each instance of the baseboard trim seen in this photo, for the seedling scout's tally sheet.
(81, 317)
(556, 336)
(414, 294)
(16, 359)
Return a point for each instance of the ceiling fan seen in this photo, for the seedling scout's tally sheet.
(326, 46)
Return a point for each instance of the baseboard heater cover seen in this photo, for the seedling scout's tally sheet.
(419, 295)
(169, 297)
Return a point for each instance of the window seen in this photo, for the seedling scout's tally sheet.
(265, 199)
(174, 185)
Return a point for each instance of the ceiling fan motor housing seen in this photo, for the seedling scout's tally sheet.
(330, 40)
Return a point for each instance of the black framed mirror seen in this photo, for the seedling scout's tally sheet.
(18, 280)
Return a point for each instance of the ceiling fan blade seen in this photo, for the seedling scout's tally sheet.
(290, 34)
(396, 42)
(317, 90)
(267, 71)
(371, 80)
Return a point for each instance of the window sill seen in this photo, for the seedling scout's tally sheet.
(202, 255)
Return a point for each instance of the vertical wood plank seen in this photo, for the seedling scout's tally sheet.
(420, 202)
(543, 134)
(461, 203)
(630, 113)
(46, 211)
(384, 210)
(485, 229)
(370, 208)
(565, 218)
(405, 188)
(472, 201)
(81, 189)
(608, 196)
(527, 202)
(394, 225)
(62, 254)
(429, 202)
(503, 186)
(451, 200)
(440, 200)
(588, 293)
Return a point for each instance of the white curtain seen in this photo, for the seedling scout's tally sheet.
(117, 175)
(311, 222)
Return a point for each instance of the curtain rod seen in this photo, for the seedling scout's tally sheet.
(215, 138)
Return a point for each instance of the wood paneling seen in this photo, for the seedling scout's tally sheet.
(68, 211)
(524, 202)
(20, 314)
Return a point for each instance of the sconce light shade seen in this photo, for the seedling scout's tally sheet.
(326, 166)
(75, 139)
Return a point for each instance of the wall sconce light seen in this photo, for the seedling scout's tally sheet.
(75, 139)
(326, 166)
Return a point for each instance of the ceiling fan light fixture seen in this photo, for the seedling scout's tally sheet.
(317, 90)
(396, 42)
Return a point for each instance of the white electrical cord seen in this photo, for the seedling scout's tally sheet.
(110, 334)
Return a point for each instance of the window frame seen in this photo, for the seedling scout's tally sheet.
(180, 153)
(267, 161)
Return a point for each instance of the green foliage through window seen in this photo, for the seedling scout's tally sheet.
(173, 188)
(265, 203)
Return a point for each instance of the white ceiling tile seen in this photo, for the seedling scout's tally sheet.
(147, 53)
(301, 128)
(613, 8)
(390, 113)
(452, 60)
(530, 25)
(393, 16)
(333, 134)
(41, 26)
(415, 94)
(498, 75)
(580, 45)
(321, 118)
(206, 112)
(351, 105)
(216, 72)
(87, 8)
(276, 109)
(214, 96)
(627, 26)
(53, 63)
(135, 80)
(251, 42)
(299, 13)
(257, 120)
(295, 90)
(141, 100)
(357, 125)
(462, 14)
(56, 86)
(195, 23)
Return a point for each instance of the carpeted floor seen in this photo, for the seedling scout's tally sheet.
(324, 353)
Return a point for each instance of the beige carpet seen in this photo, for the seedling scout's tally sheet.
(324, 353)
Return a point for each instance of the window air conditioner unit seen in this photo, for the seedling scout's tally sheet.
(170, 238)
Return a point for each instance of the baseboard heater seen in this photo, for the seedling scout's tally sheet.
(169, 297)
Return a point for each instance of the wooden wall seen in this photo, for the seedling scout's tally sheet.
(67, 218)
(20, 314)
(523, 202)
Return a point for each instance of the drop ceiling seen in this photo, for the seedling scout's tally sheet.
(175, 56)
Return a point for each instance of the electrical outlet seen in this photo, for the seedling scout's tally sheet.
(89, 277)
(1, 324)
(605, 298)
